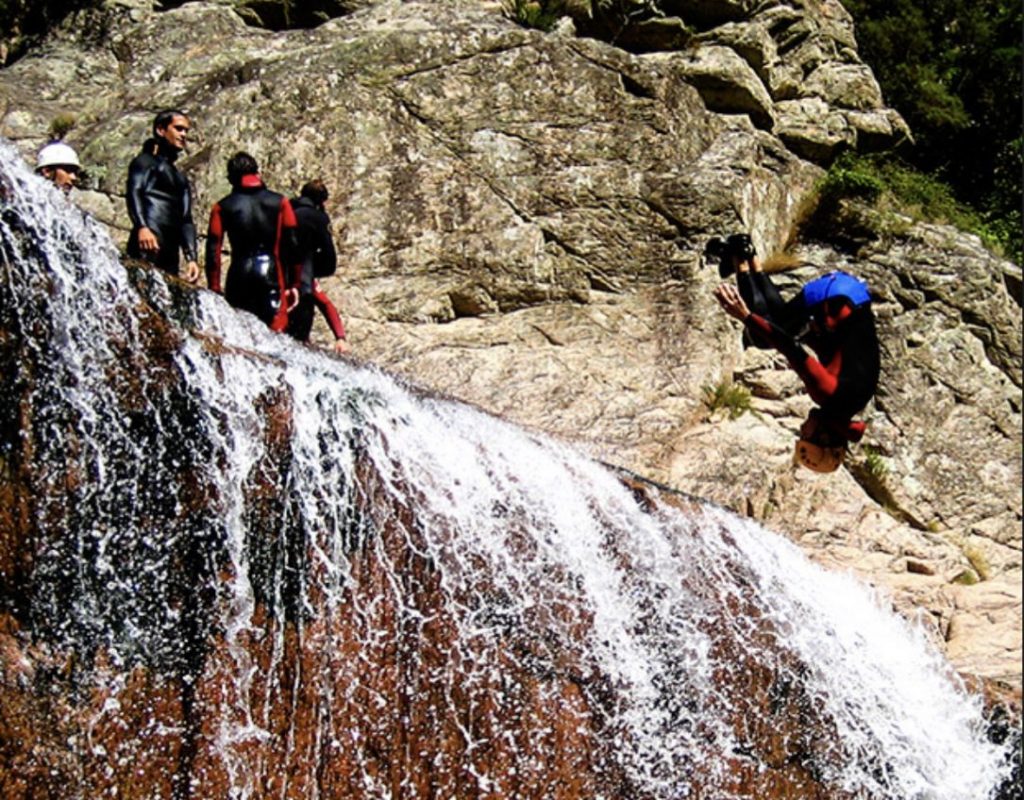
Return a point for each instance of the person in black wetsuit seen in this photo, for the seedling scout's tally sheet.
(261, 228)
(832, 315)
(160, 200)
(319, 260)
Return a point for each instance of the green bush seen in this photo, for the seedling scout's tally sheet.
(851, 178)
(952, 68)
(61, 125)
(732, 397)
(889, 184)
(540, 14)
(874, 463)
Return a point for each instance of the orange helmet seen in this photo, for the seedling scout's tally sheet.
(817, 458)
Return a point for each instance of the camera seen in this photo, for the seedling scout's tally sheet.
(722, 250)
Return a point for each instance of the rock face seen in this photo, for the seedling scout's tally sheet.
(519, 218)
(792, 67)
(231, 567)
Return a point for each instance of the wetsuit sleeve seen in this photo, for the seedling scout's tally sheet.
(792, 316)
(327, 308)
(821, 381)
(140, 179)
(764, 299)
(188, 227)
(289, 267)
(214, 245)
(288, 250)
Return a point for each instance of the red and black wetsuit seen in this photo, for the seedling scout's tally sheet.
(159, 198)
(843, 377)
(318, 259)
(301, 326)
(261, 228)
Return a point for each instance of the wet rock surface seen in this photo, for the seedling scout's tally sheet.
(519, 218)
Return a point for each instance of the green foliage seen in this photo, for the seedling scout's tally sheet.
(980, 567)
(728, 396)
(966, 578)
(977, 559)
(952, 68)
(850, 178)
(889, 183)
(540, 14)
(61, 125)
(874, 463)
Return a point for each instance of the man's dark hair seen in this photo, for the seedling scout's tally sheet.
(164, 118)
(240, 164)
(316, 191)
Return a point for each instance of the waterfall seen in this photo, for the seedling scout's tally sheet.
(290, 557)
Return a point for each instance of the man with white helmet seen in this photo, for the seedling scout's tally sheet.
(59, 163)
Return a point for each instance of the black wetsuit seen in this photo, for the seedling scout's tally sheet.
(843, 377)
(159, 198)
(318, 259)
(763, 298)
(261, 228)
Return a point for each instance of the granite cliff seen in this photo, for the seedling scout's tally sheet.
(235, 567)
(520, 217)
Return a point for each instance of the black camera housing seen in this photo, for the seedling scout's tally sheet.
(738, 245)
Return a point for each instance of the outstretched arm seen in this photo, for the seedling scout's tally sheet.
(729, 299)
(327, 308)
(821, 381)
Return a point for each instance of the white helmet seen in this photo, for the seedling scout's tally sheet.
(57, 154)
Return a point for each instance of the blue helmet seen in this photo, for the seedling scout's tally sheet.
(836, 284)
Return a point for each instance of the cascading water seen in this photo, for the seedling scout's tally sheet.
(290, 576)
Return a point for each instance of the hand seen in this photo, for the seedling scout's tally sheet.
(729, 299)
(291, 298)
(341, 346)
(192, 272)
(148, 242)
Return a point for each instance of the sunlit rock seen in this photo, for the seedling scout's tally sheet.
(240, 568)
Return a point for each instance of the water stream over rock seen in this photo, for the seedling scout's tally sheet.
(233, 566)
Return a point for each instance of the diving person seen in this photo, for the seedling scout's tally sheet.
(261, 228)
(832, 316)
(160, 200)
